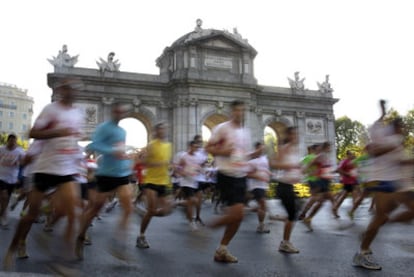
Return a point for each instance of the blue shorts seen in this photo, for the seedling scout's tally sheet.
(382, 186)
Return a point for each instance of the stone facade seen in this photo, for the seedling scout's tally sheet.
(200, 74)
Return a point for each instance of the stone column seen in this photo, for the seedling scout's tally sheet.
(300, 119)
(106, 111)
(331, 135)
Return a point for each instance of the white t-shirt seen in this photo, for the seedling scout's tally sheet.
(9, 164)
(261, 165)
(385, 167)
(291, 176)
(191, 169)
(59, 156)
(202, 157)
(34, 150)
(228, 135)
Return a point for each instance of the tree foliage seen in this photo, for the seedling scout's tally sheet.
(408, 120)
(350, 135)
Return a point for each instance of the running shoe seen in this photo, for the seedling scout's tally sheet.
(21, 251)
(287, 247)
(142, 242)
(223, 256)
(261, 229)
(308, 224)
(193, 226)
(87, 240)
(366, 261)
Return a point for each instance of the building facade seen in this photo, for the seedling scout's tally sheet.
(201, 73)
(16, 110)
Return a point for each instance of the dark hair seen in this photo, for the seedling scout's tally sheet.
(236, 103)
(11, 136)
(326, 144)
(257, 144)
(197, 137)
(289, 131)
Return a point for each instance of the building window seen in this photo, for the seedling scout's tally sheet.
(24, 127)
(11, 114)
(24, 116)
(1, 124)
(1, 113)
(11, 127)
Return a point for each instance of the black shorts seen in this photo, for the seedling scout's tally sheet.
(323, 185)
(258, 194)
(203, 185)
(232, 189)
(188, 192)
(107, 183)
(160, 189)
(288, 197)
(349, 187)
(43, 182)
(7, 186)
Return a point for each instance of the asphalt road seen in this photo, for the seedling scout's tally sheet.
(176, 251)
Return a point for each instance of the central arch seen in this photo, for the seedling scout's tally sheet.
(210, 122)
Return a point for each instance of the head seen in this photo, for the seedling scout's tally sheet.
(199, 22)
(11, 141)
(119, 111)
(238, 109)
(350, 154)
(160, 130)
(64, 48)
(193, 146)
(198, 139)
(291, 135)
(326, 147)
(259, 146)
(111, 56)
(297, 75)
(67, 90)
(327, 77)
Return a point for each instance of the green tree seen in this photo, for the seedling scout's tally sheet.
(408, 120)
(350, 135)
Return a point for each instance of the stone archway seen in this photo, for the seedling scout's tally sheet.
(210, 122)
(273, 134)
(139, 126)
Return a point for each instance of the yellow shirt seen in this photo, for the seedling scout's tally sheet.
(158, 152)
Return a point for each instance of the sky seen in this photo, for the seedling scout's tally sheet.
(365, 46)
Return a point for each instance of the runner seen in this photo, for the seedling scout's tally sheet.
(11, 157)
(348, 171)
(289, 163)
(112, 176)
(387, 179)
(59, 127)
(189, 169)
(156, 179)
(258, 184)
(229, 144)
